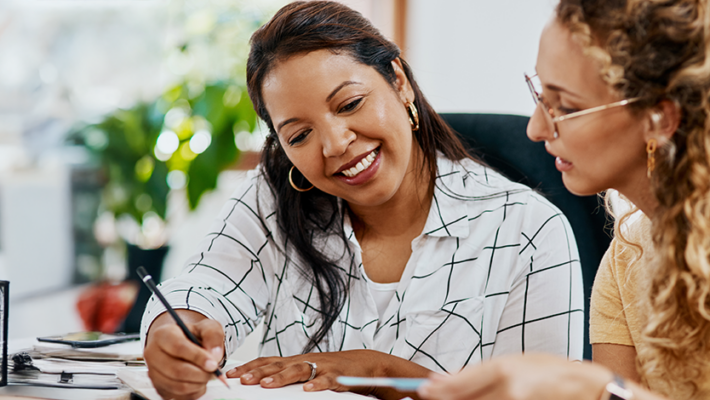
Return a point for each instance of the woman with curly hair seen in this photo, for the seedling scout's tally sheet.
(624, 103)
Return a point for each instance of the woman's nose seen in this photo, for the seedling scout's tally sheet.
(336, 141)
(539, 128)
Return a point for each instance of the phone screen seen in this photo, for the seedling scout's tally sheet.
(90, 339)
(83, 336)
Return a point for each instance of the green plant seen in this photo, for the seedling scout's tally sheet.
(179, 140)
(145, 151)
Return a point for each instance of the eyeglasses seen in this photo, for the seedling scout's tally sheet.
(549, 112)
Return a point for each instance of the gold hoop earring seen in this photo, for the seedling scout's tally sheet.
(293, 185)
(651, 147)
(413, 116)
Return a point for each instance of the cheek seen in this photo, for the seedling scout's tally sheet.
(606, 154)
(304, 158)
(595, 155)
(309, 164)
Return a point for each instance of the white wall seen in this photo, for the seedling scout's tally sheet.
(36, 253)
(470, 55)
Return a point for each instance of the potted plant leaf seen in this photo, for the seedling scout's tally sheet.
(182, 140)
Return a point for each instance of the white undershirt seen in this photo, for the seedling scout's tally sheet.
(382, 293)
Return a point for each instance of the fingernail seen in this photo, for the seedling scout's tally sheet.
(247, 377)
(268, 380)
(217, 353)
(210, 365)
(308, 386)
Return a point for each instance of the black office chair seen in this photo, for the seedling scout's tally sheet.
(500, 141)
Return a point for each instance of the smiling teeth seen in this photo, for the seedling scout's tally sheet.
(362, 165)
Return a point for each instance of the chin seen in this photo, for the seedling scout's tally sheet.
(580, 188)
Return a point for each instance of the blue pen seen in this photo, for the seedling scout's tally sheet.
(401, 384)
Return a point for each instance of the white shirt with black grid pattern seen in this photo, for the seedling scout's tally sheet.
(495, 271)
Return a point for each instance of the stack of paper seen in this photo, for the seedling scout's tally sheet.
(60, 365)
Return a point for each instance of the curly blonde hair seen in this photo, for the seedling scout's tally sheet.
(660, 50)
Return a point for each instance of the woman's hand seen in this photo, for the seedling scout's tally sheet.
(272, 372)
(179, 368)
(531, 376)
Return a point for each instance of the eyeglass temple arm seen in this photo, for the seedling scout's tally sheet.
(594, 109)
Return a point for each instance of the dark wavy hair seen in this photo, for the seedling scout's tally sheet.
(302, 27)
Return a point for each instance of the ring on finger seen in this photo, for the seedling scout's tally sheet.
(313, 369)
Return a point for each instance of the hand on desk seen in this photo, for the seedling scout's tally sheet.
(179, 368)
(524, 377)
(272, 372)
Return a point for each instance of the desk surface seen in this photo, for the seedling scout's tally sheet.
(21, 392)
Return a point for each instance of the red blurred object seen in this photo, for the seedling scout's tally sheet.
(104, 306)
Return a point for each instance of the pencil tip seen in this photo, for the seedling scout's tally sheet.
(224, 380)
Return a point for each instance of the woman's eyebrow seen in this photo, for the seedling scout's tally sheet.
(288, 121)
(560, 89)
(342, 85)
(327, 99)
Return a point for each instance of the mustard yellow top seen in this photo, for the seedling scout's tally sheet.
(617, 311)
(615, 315)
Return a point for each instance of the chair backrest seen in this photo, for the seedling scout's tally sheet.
(501, 142)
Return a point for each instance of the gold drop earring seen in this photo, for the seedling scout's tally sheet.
(413, 116)
(651, 147)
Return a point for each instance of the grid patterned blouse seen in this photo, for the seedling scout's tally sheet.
(495, 271)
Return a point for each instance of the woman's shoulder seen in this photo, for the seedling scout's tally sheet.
(481, 186)
(632, 247)
(475, 176)
(252, 193)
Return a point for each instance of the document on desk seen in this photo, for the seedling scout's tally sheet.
(138, 380)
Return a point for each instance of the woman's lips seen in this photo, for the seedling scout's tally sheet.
(360, 165)
(364, 175)
(562, 165)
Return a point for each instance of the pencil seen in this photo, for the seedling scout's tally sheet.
(148, 280)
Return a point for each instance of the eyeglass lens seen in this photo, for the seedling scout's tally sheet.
(534, 86)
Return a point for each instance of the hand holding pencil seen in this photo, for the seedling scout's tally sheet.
(178, 365)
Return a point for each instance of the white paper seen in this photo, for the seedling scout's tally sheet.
(137, 378)
(58, 365)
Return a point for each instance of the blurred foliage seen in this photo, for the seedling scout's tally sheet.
(139, 175)
(208, 57)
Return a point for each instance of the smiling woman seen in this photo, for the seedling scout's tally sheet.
(368, 240)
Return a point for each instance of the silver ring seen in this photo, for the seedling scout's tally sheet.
(313, 369)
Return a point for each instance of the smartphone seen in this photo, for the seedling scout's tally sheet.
(90, 339)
